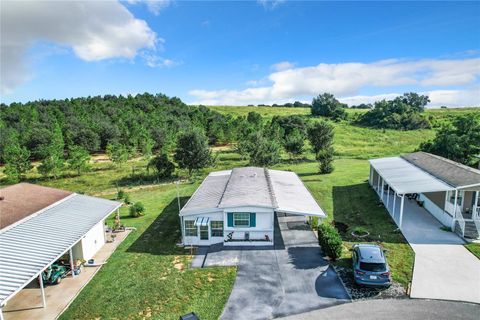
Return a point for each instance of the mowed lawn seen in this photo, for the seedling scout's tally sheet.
(148, 276)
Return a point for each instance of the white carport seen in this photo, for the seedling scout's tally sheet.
(292, 196)
(29, 247)
(402, 178)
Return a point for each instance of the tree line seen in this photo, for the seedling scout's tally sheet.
(63, 134)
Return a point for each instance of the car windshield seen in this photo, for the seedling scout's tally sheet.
(375, 267)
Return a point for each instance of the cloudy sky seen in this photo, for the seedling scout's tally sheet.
(237, 53)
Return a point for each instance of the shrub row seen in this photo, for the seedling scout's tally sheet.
(330, 241)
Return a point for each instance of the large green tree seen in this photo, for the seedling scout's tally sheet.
(192, 151)
(17, 160)
(78, 159)
(117, 153)
(294, 143)
(320, 135)
(162, 166)
(53, 162)
(264, 151)
(458, 140)
(327, 105)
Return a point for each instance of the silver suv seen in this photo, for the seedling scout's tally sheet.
(370, 267)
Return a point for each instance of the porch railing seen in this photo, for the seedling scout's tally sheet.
(461, 221)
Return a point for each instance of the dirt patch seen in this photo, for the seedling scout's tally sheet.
(177, 264)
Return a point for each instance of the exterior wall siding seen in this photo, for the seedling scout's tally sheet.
(431, 206)
(90, 244)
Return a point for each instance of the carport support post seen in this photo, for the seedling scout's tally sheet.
(383, 188)
(394, 198)
(42, 290)
(401, 212)
(71, 262)
(378, 184)
(388, 196)
(456, 203)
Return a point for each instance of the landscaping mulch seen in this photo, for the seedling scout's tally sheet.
(364, 293)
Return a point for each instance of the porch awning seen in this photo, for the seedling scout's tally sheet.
(201, 221)
(403, 177)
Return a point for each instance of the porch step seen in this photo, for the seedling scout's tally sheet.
(471, 231)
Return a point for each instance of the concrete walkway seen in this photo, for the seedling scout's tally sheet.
(27, 304)
(398, 309)
(444, 268)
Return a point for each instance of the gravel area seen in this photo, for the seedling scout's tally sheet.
(364, 293)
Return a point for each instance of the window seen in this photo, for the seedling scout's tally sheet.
(374, 267)
(452, 197)
(190, 228)
(203, 232)
(241, 220)
(216, 228)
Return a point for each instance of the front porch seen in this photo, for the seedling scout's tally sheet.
(456, 209)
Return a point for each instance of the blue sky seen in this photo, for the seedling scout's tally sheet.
(242, 52)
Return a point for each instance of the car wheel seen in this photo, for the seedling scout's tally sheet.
(59, 279)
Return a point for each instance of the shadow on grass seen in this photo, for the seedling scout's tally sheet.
(141, 179)
(161, 237)
(357, 206)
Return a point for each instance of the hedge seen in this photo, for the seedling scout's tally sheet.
(330, 241)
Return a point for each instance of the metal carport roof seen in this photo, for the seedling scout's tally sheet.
(291, 195)
(404, 177)
(27, 248)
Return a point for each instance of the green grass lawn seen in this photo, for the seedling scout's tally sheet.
(474, 248)
(148, 275)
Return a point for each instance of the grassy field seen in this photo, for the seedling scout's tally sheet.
(148, 276)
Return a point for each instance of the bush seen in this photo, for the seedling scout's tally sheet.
(121, 194)
(327, 106)
(126, 199)
(162, 165)
(137, 210)
(325, 160)
(330, 241)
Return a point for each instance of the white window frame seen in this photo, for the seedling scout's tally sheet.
(242, 225)
(216, 228)
(193, 227)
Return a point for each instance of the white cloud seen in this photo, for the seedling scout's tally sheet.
(94, 30)
(155, 61)
(270, 4)
(282, 66)
(347, 79)
(154, 6)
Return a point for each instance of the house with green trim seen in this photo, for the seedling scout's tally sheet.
(237, 207)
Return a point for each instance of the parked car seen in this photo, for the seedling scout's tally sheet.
(370, 267)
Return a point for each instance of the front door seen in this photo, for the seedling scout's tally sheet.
(204, 232)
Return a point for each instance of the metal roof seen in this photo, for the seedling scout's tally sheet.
(248, 186)
(291, 194)
(209, 194)
(451, 172)
(404, 177)
(27, 248)
(282, 191)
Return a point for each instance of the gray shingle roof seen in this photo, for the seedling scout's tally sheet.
(451, 172)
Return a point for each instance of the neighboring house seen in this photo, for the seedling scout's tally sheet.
(39, 225)
(237, 207)
(448, 190)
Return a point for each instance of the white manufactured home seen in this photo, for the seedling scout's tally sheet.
(448, 190)
(237, 207)
(38, 226)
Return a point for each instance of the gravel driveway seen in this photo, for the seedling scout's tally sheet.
(290, 278)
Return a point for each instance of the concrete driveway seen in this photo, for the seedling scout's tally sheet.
(290, 278)
(395, 309)
(444, 268)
